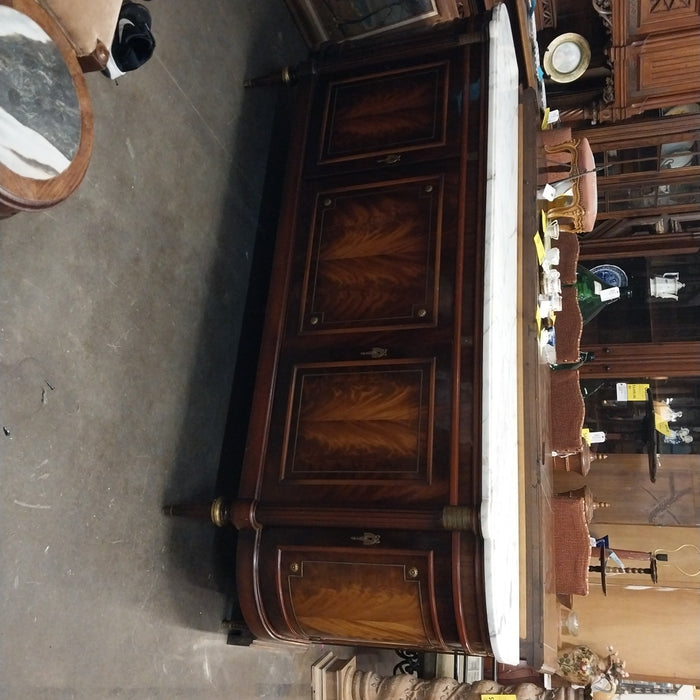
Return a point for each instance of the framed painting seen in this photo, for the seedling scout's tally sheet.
(322, 21)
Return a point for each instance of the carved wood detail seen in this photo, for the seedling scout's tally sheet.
(654, 52)
(546, 14)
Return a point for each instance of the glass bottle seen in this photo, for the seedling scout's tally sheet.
(594, 294)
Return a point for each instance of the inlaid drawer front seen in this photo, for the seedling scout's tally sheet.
(373, 258)
(360, 421)
(380, 598)
(398, 110)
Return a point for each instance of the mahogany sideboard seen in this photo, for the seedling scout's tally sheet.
(382, 454)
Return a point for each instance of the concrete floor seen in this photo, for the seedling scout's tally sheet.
(120, 316)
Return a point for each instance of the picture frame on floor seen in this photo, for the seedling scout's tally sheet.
(330, 21)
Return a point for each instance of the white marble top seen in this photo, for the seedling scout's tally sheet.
(499, 508)
(40, 121)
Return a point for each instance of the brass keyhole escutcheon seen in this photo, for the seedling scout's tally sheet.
(421, 313)
(368, 539)
(413, 572)
(294, 567)
(376, 353)
(391, 159)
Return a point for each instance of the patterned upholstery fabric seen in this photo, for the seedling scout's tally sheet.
(567, 411)
(572, 549)
(568, 327)
(568, 256)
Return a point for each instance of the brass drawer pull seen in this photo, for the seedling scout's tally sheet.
(391, 159)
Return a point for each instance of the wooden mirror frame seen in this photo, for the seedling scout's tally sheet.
(18, 193)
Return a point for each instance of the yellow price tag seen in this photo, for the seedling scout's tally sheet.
(539, 246)
(503, 696)
(586, 435)
(637, 392)
(661, 425)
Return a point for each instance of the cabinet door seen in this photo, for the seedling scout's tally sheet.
(368, 433)
(373, 258)
(392, 114)
(660, 72)
(360, 422)
(364, 403)
(640, 18)
(396, 593)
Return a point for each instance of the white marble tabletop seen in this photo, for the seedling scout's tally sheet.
(499, 509)
(40, 121)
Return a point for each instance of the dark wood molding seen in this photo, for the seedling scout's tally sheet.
(639, 246)
(632, 360)
(647, 131)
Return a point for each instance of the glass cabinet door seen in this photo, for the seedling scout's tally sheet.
(613, 406)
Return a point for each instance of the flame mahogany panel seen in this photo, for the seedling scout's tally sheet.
(361, 422)
(372, 255)
(400, 111)
(395, 110)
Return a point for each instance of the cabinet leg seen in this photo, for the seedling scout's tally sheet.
(217, 511)
(287, 76)
(238, 634)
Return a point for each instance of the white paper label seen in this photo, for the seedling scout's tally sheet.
(609, 294)
(548, 192)
(621, 388)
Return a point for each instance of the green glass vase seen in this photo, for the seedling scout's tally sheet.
(594, 294)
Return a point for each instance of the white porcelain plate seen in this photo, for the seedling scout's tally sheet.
(678, 159)
(612, 274)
